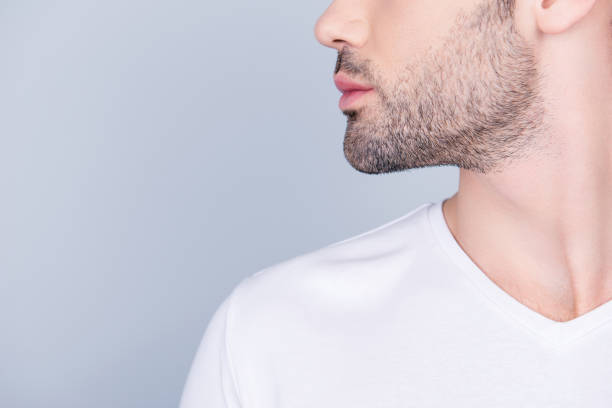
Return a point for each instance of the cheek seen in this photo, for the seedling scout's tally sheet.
(403, 30)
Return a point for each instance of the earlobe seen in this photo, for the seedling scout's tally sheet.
(557, 16)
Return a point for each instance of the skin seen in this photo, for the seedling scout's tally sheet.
(520, 99)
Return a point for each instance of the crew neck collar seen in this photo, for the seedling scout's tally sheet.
(551, 332)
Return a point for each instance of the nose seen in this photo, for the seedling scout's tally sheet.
(343, 23)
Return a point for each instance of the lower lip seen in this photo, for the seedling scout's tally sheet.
(349, 97)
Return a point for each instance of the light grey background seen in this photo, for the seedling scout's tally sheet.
(152, 154)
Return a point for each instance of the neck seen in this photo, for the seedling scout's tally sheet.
(541, 229)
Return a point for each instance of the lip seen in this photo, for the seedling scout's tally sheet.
(345, 84)
(349, 97)
(351, 90)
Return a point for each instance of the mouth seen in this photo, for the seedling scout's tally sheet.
(351, 90)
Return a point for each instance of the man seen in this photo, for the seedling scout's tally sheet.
(499, 296)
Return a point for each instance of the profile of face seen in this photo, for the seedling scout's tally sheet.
(454, 83)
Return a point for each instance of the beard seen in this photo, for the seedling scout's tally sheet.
(473, 102)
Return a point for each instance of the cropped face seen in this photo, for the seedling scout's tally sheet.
(452, 83)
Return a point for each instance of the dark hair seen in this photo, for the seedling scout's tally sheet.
(507, 7)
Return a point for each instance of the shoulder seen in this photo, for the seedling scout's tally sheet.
(347, 271)
(286, 310)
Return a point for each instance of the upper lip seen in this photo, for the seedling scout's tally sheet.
(344, 84)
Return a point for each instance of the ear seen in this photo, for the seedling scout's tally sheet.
(556, 16)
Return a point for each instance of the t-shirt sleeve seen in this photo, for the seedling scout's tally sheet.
(211, 380)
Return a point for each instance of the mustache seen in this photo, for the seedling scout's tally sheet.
(348, 61)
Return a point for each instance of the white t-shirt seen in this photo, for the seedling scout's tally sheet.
(396, 317)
